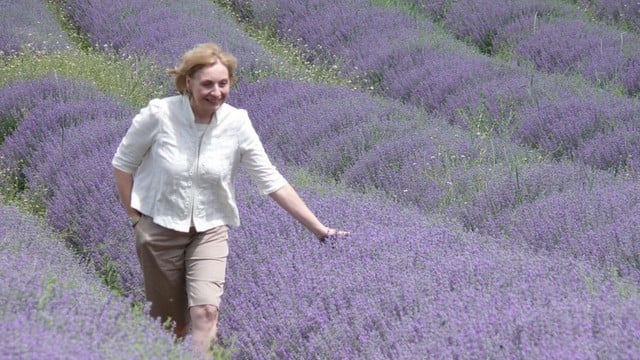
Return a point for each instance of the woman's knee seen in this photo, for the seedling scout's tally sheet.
(204, 314)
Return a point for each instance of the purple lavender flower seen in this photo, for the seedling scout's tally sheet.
(30, 25)
(426, 77)
(559, 126)
(88, 208)
(53, 119)
(578, 223)
(615, 11)
(409, 167)
(510, 189)
(163, 31)
(55, 306)
(490, 105)
(631, 77)
(618, 150)
(441, 292)
(339, 124)
(17, 99)
(83, 140)
(574, 46)
(479, 22)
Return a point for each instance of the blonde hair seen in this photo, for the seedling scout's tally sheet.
(201, 56)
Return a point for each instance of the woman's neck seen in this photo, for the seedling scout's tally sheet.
(201, 117)
(202, 120)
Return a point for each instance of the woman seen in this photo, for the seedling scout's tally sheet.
(174, 171)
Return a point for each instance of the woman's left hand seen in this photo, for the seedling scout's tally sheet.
(334, 234)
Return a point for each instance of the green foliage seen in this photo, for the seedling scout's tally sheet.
(12, 191)
(47, 294)
(410, 9)
(7, 125)
(110, 276)
(127, 79)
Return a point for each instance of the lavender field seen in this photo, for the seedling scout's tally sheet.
(484, 154)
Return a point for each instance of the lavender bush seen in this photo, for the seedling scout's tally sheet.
(560, 126)
(581, 224)
(29, 25)
(52, 119)
(400, 287)
(415, 168)
(574, 46)
(341, 31)
(18, 98)
(480, 21)
(618, 150)
(626, 13)
(339, 124)
(85, 204)
(491, 106)
(402, 284)
(75, 136)
(512, 188)
(83, 141)
(163, 31)
(54, 306)
(427, 77)
(631, 77)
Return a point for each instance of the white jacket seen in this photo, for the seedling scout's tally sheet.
(180, 179)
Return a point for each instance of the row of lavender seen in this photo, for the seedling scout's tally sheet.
(377, 230)
(35, 30)
(493, 200)
(163, 31)
(447, 167)
(554, 37)
(618, 12)
(400, 286)
(476, 92)
(369, 151)
(53, 306)
(555, 207)
(428, 194)
(67, 127)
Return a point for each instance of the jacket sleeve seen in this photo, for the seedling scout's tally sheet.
(137, 141)
(255, 160)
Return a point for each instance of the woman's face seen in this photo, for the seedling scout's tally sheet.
(209, 88)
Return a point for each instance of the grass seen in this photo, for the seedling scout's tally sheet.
(125, 79)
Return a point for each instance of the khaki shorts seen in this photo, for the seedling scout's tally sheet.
(181, 269)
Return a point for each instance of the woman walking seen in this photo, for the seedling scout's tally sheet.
(174, 171)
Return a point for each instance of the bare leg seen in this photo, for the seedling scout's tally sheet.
(204, 326)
